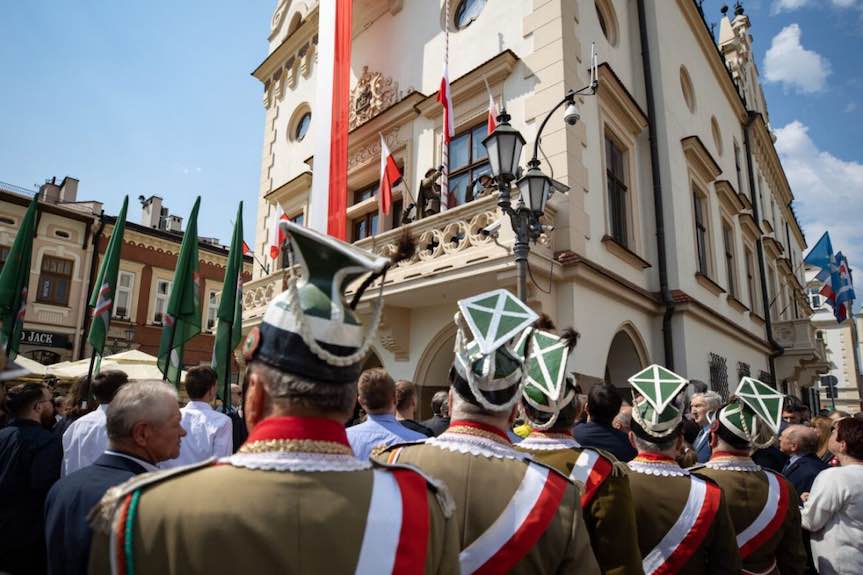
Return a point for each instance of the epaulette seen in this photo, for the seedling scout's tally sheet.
(379, 450)
(102, 515)
(439, 488)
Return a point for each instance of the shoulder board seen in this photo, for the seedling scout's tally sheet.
(438, 487)
(381, 449)
(102, 515)
(532, 461)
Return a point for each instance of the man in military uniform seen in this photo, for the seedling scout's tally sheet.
(515, 515)
(550, 406)
(762, 503)
(293, 499)
(428, 202)
(683, 521)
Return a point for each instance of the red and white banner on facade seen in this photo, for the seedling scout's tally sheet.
(329, 198)
(277, 233)
(492, 110)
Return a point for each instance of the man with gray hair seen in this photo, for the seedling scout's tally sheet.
(143, 425)
(700, 408)
(799, 443)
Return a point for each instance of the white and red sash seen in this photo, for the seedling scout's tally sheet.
(591, 469)
(769, 520)
(519, 527)
(687, 533)
(396, 535)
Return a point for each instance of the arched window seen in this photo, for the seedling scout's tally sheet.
(607, 20)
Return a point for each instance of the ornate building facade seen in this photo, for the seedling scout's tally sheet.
(676, 242)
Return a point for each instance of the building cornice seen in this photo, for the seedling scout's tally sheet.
(289, 45)
(492, 71)
(700, 159)
(47, 208)
(614, 95)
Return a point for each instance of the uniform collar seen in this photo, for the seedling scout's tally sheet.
(295, 428)
(476, 426)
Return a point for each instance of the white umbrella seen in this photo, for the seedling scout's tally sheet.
(34, 367)
(136, 364)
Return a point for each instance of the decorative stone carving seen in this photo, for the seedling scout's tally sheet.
(372, 151)
(372, 94)
(394, 332)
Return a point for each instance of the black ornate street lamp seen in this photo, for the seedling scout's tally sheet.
(504, 151)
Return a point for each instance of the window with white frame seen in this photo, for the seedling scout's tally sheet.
(212, 310)
(815, 300)
(123, 295)
(749, 262)
(702, 231)
(160, 301)
(730, 259)
(615, 177)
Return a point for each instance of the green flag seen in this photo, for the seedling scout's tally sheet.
(230, 327)
(102, 298)
(14, 279)
(183, 316)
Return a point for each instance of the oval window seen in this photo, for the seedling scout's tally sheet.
(717, 134)
(467, 12)
(607, 20)
(303, 127)
(62, 234)
(686, 88)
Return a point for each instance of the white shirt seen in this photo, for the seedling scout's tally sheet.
(145, 464)
(834, 515)
(208, 434)
(85, 440)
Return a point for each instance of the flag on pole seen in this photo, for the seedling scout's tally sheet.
(445, 98)
(277, 234)
(246, 249)
(821, 254)
(183, 315)
(229, 329)
(14, 279)
(329, 197)
(838, 289)
(492, 109)
(390, 177)
(102, 298)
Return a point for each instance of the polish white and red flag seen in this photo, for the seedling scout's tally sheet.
(329, 197)
(277, 233)
(492, 110)
(445, 98)
(390, 178)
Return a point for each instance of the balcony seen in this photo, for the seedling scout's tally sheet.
(453, 259)
(805, 355)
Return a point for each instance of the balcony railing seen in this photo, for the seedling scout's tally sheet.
(450, 240)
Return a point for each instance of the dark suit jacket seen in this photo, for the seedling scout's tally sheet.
(437, 424)
(771, 458)
(802, 472)
(418, 427)
(70, 501)
(30, 457)
(592, 434)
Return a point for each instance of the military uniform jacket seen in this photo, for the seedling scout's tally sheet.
(682, 520)
(294, 499)
(514, 515)
(763, 508)
(606, 501)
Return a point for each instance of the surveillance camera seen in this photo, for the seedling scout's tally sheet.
(571, 115)
(492, 228)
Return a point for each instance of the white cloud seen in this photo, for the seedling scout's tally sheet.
(828, 191)
(792, 65)
(792, 5)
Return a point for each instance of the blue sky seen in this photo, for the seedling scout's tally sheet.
(137, 98)
(146, 98)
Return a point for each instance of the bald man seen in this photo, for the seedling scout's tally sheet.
(799, 443)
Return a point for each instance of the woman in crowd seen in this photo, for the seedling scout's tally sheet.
(833, 511)
(824, 426)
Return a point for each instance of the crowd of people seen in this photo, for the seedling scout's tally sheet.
(321, 466)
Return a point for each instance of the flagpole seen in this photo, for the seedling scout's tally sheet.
(444, 151)
(170, 349)
(86, 395)
(226, 391)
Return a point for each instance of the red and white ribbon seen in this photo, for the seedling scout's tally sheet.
(768, 521)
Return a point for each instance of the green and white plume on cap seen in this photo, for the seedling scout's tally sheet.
(492, 360)
(546, 386)
(660, 409)
(754, 414)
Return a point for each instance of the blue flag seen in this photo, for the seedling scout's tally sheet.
(821, 255)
